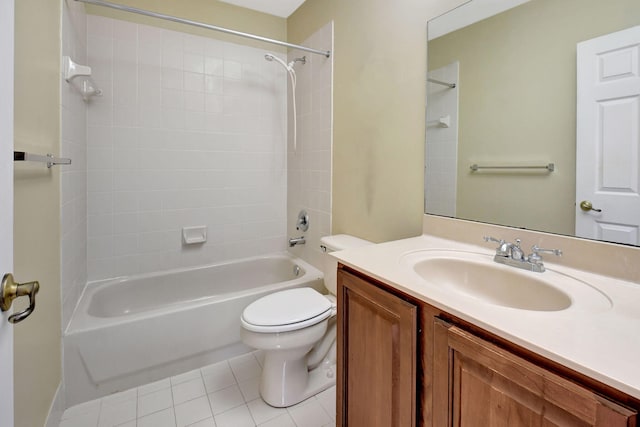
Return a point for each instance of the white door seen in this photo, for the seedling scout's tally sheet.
(608, 137)
(6, 203)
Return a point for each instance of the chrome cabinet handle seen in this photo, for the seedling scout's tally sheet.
(586, 206)
(10, 290)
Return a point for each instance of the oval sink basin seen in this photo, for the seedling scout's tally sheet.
(478, 276)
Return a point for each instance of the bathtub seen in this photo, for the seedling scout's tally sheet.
(130, 331)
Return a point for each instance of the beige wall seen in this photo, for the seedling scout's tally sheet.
(379, 110)
(517, 104)
(37, 344)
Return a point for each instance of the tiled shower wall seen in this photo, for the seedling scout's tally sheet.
(309, 176)
(190, 131)
(441, 164)
(73, 178)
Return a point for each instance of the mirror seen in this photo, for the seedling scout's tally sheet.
(513, 113)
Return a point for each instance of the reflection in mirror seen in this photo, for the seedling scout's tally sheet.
(534, 85)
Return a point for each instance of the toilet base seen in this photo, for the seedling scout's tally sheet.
(317, 380)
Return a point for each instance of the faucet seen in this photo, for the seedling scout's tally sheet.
(296, 241)
(511, 254)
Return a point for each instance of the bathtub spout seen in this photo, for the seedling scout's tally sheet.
(296, 241)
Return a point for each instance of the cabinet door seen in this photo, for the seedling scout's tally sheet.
(376, 356)
(488, 386)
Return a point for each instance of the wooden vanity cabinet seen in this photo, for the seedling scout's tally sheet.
(401, 365)
(489, 386)
(376, 356)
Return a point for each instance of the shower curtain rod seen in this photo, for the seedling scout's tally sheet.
(326, 53)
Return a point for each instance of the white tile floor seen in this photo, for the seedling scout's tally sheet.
(219, 395)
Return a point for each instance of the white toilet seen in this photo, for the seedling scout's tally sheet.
(296, 329)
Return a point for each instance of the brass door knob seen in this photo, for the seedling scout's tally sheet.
(586, 206)
(10, 290)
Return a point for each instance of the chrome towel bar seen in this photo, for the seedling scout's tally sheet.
(549, 167)
(49, 159)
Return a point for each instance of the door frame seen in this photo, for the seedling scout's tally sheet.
(7, 14)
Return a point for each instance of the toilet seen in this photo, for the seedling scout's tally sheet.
(296, 329)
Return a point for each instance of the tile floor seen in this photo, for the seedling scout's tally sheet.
(224, 394)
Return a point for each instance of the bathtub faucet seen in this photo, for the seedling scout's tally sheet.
(296, 241)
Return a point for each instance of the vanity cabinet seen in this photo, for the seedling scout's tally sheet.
(489, 386)
(376, 356)
(402, 362)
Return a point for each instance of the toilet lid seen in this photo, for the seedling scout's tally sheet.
(291, 309)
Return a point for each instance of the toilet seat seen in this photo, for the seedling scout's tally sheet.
(287, 311)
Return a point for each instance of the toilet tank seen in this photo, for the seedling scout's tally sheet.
(337, 242)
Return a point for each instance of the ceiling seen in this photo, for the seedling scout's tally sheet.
(281, 8)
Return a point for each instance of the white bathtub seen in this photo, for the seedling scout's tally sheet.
(130, 331)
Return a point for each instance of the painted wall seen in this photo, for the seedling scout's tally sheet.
(37, 345)
(515, 113)
(379, 110)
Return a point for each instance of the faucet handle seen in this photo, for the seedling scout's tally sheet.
(493, 239)
(503, 246)
(536, 251)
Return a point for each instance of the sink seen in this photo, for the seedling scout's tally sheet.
(476, 275)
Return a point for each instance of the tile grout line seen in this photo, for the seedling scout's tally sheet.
(104, 405)
(206, 393)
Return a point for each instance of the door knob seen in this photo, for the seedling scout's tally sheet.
(586, 206)
(10, 290)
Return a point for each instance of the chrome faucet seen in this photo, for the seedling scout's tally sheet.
(511, 254)
(296, 241)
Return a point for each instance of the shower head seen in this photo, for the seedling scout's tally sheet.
(271, 57)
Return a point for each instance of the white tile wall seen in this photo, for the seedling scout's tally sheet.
(73, 178)
(441, 166)
(309, 174)
(190, 131)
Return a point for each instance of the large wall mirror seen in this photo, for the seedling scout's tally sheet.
(533, 109)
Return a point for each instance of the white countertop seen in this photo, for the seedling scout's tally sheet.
(603, 344)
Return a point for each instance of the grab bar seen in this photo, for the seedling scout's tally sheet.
(550, 167)
(49, 159)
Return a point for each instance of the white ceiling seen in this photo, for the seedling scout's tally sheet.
(281, 8)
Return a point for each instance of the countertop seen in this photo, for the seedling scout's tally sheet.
(603, 344)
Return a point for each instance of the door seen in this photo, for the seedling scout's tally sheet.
(376, 384)
(608, 137)
(6, 203)
(489, 386)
